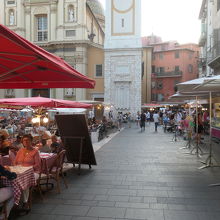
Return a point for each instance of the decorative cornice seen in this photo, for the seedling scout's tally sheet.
(71, 26)
(49, 2)
(124, 49)
(18, 29)
(84, 43)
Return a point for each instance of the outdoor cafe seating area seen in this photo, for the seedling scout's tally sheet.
(15, 125)
(51, 154)
(24, 65)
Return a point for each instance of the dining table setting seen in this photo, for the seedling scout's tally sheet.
(25, 179)
(25, 175)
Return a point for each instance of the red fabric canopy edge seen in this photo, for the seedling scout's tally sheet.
(45, 55)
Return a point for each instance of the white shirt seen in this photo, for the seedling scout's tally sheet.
(156, 117)
(148, 115)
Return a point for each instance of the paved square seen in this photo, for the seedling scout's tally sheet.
(138, 176)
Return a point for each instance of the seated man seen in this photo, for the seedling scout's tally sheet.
(17, 144)
(6, 193)
(44, 148)
(55, 147)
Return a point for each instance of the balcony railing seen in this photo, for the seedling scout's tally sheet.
(214, 55)
(168, 74)
(202, 39)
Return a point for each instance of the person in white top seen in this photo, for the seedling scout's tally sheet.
(156, 119)
(138, 118)
(178, 116)
(148, 117)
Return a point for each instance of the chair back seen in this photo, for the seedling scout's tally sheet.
(58, 162)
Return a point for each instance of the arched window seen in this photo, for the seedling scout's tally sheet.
(71, 13)
(11, 17)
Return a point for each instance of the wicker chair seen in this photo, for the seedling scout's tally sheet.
(54, 172)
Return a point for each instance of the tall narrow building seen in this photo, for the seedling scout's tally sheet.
(123, 54)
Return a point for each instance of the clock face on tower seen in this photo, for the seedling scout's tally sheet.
(123, 17)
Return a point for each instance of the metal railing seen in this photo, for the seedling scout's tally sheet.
(215, 50)
(169, 74)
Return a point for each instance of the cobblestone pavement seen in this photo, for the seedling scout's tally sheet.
(139, 176)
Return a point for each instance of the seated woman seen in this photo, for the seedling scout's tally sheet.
(28, 155)
(6, 193)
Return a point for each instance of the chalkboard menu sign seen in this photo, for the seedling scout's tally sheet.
(74, 133)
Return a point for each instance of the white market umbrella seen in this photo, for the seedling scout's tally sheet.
(210, 84)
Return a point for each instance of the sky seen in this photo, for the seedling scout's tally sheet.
(171, 19)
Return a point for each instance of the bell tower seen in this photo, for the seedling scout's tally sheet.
(123, 53)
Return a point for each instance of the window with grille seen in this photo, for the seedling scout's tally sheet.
(154, 57)
(42, 32)
(98, 70)
(153, 69)
(154, 97)
(10, 2)
(162, 70)
(160, 97)
(70, 33)
(177, 54)
(160, 85)
(190, 68)
(153, 84)
(177, 69)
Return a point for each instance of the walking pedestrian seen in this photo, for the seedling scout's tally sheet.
(129, 119)
(148, 117)
(142, 121)
(156, 120)
(138, 118)
(119, 119)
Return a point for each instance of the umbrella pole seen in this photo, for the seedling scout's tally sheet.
(197, 128)
(208, 162)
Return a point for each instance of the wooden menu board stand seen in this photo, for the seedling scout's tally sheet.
(74, 133)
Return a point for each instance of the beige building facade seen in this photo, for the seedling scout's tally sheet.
(71, 29)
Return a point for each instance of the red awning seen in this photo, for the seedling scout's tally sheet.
(24, 65)
(43, 102)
